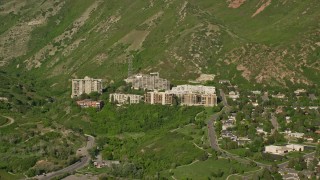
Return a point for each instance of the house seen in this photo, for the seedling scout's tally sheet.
(88, 103)
(243, 141)
(4, 99)
(299, 91)
(289, 174)
(295, 147)
(228, 134)
(120, 98)
(288, 119)
(260, 131)
(255, 104)
(86, 86)
(224, 82)
(294, 134)
(280, 150)
(279, 96)
(234, 95)
(226, 124)
(256, 92)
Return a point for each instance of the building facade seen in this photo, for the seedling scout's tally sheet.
(86, 85)
(163, 98)
(195, 95)
(88, 103)
(125, 98)
(151, 81)
(192, 99)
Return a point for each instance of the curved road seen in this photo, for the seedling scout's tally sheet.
(213, 138)
(11, 121)
(78, 165)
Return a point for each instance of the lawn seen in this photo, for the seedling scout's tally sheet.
(240, 151)
(205, 169)
(6, 176)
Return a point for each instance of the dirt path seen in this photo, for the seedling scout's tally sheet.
(11, 121)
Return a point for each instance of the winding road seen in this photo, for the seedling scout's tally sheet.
(78, 165)
(274, 123)
(11, 121)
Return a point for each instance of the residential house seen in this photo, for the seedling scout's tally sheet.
(88, 103)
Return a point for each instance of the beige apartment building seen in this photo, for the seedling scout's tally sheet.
(190, 95)
(163, 98)
(151, 81)
(195, 95)
(125, 98)
(86, 85)
(193, 99)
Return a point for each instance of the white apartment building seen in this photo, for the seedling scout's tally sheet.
(86, 85)
(125, 98)
(198, 89)
(151, 81)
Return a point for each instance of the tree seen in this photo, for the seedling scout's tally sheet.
(266, 174)
(84, 96)
(291, 163)
(218, 127)
(94, 95)
(274, 168)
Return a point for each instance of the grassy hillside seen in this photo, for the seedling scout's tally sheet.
(273, 42)
(44, 44)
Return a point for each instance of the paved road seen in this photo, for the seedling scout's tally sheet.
(285, 164)
(224, 99)
(211, 132)
(78, 165)
(11, 121)
(274, 122)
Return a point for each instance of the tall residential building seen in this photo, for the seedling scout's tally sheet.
(86, 85)
(163, 98)
(195, 95)
(199, 89)
(193, 99)
(151, 81)
(125, 98)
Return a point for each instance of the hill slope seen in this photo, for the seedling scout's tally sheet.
(262, 41)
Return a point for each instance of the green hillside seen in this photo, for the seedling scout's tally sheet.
(265, 45)
(58, 40)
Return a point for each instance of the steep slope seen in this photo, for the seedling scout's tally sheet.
(265, 41)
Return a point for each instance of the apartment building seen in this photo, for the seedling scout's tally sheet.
(195, 95)
(193, 99)
(151, 81)
(125, 98)
(86, 85)
(163, 98)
